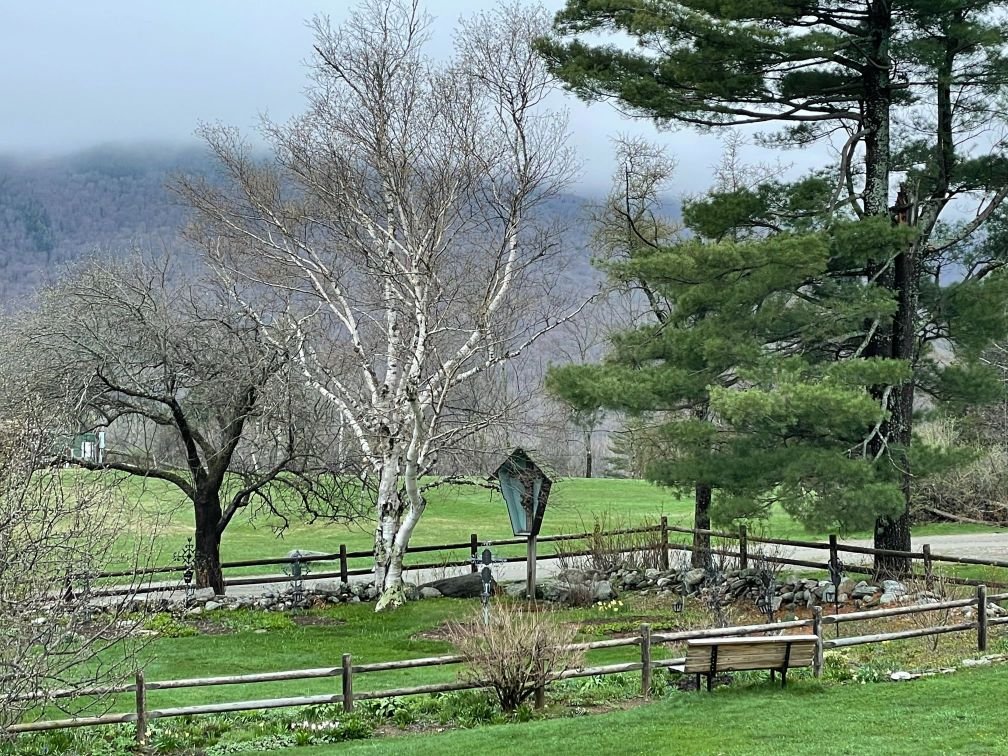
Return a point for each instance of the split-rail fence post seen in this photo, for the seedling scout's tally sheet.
(347, 683)
(981, 616)
(141, 710)
(664, 556)
(645, 657)
(817, 662)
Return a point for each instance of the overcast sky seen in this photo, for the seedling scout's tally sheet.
(76, 74)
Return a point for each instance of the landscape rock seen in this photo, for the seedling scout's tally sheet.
(202, 595)
(895, 587)
(602, 591)
(461, 586)
(573, 576)
(516, 589)
(694, 577)
(551, 590)
(427, 592)
(633, 579)
(981, 662)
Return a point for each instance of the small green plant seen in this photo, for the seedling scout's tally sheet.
(837, 666)
(169, 626)
(866, 673)
(111, 741)
(404, 717)
(381, 708)
(468, 708)
(249, 620)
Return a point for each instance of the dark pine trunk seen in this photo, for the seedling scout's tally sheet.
(207, 560)
(895, 338)
(894, 532)
(701, 555)
(588, 455)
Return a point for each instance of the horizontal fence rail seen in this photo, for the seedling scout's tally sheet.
(298, 568)
(644, 641)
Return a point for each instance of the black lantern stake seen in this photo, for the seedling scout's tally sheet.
(185, 555)
(836, 568)
(297, 569)
(769, 589)
(486, 559)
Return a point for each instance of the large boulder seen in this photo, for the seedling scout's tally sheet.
(602, 591)
(553, 590)
(462, 586)
(694, 577)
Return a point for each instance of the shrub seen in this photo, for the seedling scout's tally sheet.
(515, 652)
(967, 480)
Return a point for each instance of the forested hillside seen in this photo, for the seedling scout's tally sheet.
(56, 210)
(110, 199)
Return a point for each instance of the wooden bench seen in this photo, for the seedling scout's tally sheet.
(778, 653)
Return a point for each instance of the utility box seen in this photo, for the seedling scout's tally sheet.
(525, 486)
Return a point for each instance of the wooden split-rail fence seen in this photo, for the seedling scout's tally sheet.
(747, 549)
(646, 640)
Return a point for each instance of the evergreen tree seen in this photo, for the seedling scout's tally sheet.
(911, 89)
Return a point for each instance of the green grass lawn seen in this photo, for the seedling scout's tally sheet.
(452, 514)
(246, 641)
(234, 642)
(953, 714)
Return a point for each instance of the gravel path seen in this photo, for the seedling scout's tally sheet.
(977, 545)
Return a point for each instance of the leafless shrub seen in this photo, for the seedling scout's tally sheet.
(723, 556)
(569, 555)
(938, 589)
(516, 652)
(610, 547)
(58, 528)
(975, 491)
(766, 557)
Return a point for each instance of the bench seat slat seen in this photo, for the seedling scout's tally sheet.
(738, 654)
(753, 640)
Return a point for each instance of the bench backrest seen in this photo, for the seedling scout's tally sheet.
(751, 653)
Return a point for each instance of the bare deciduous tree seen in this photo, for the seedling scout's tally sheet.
(56, 530)
(401, 219)
(188, 387)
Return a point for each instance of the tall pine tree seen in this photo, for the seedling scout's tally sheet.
(909, 90)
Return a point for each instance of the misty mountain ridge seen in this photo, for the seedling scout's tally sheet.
(110, 199)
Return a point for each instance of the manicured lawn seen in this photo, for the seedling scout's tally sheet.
(952, 714)
(452, 514)
(254, 641)
(747, 717)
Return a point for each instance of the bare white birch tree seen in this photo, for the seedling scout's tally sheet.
(401, 216)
